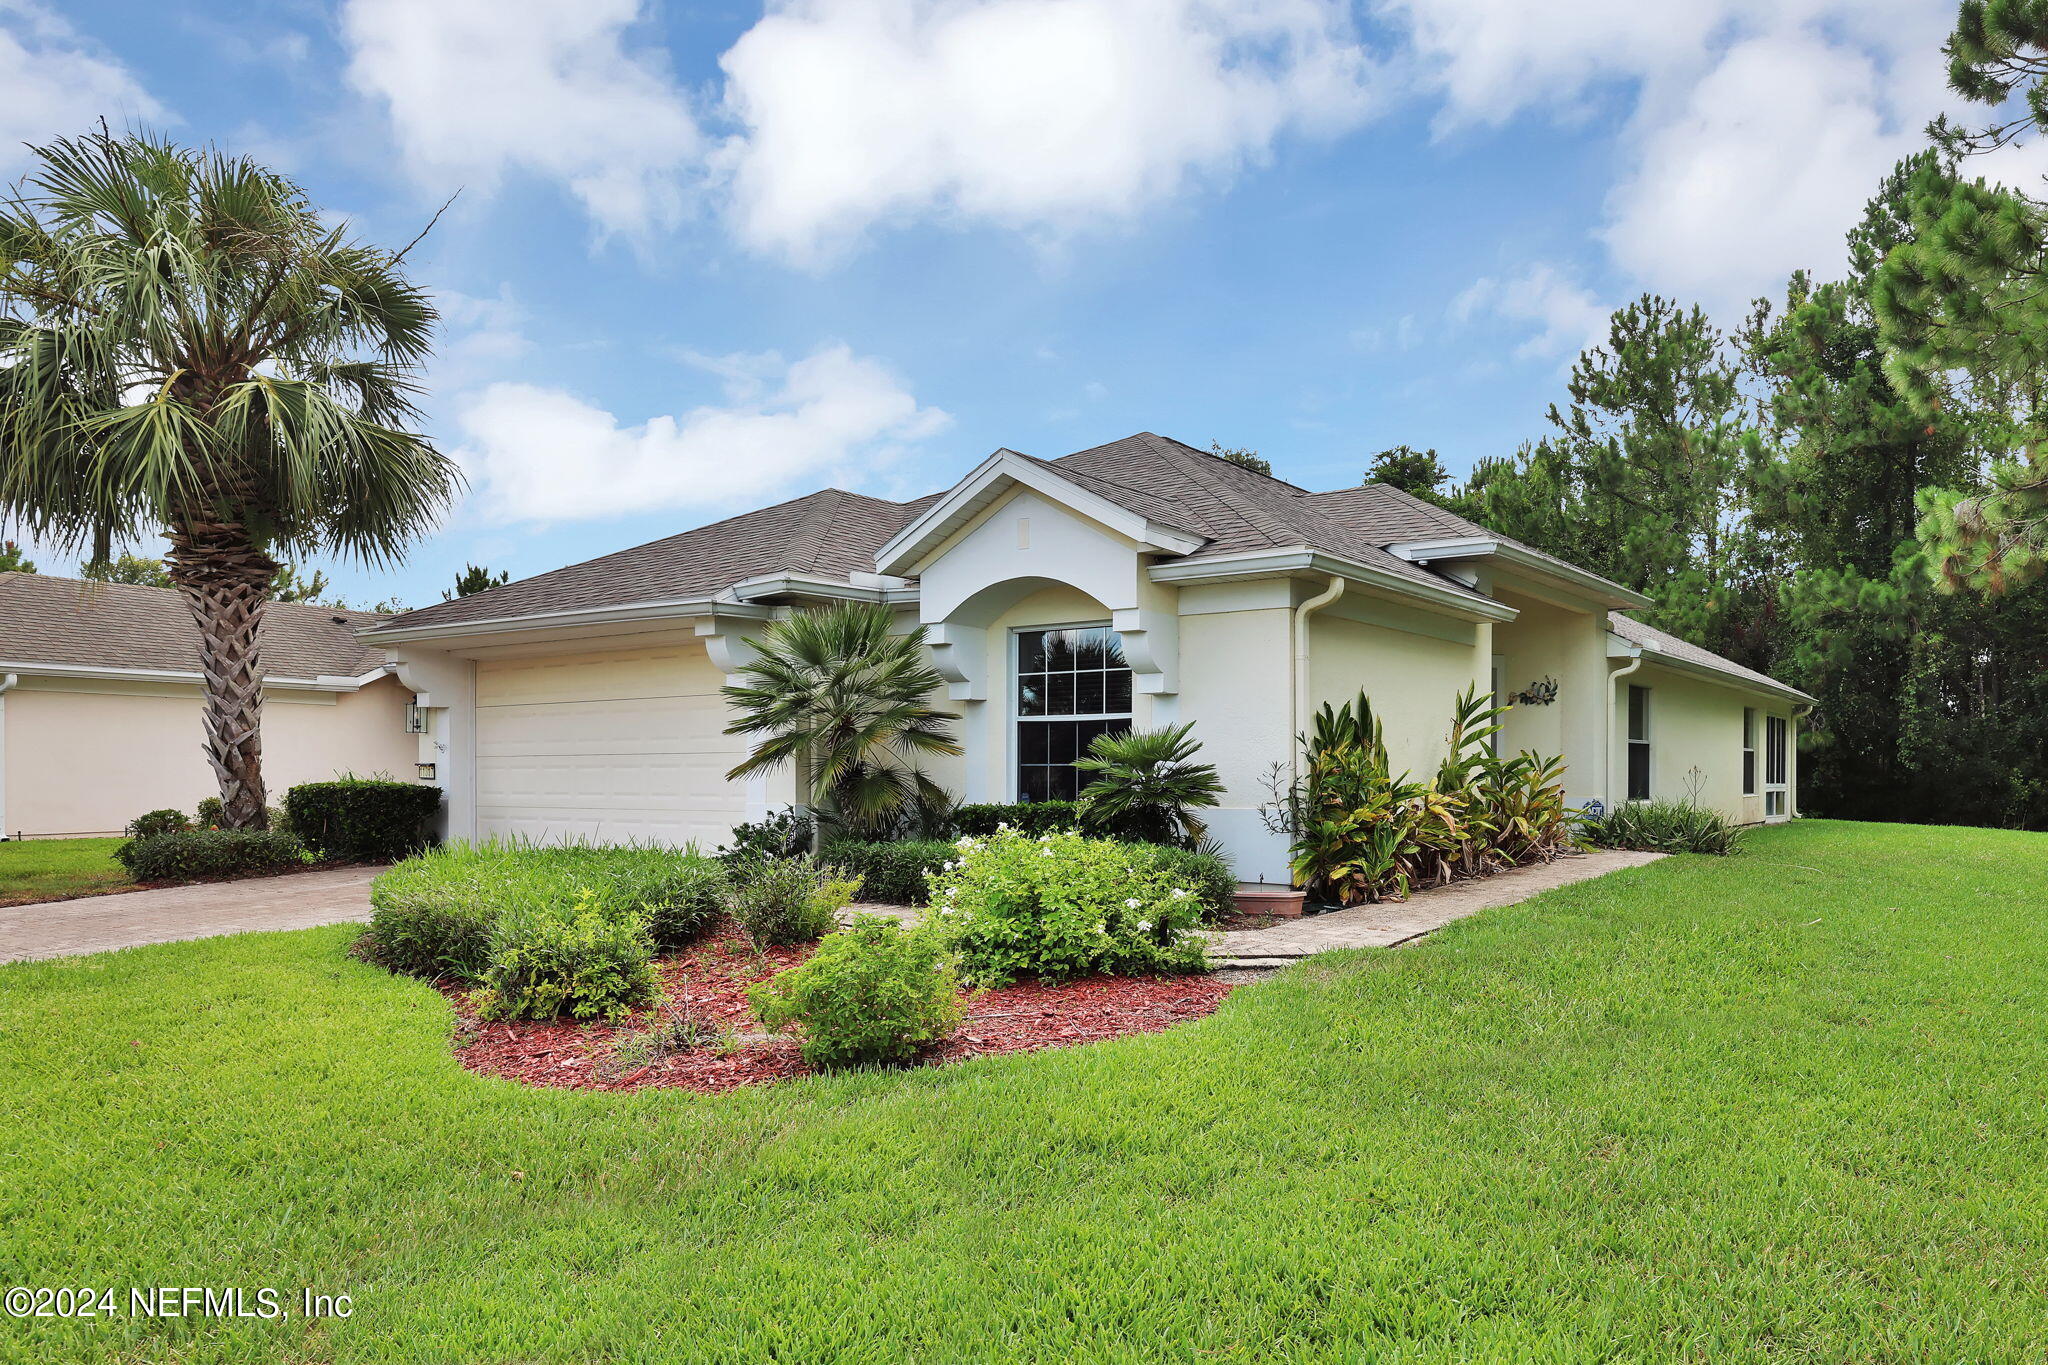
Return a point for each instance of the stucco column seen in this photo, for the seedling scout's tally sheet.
(445, 688)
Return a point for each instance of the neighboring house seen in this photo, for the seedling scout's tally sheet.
(1135, 584)
(100, 715)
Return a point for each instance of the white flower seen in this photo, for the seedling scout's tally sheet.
(1143, 925)
(1045, 853)
(1132, 903)
(945, 909)
(1179, 894)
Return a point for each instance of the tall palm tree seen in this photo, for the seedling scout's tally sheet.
(848, 703)
(187, 350)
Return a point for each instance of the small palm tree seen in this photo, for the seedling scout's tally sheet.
(849, 704)
(1146, 787)
(187, 350)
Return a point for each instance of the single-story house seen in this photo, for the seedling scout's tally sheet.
(100, 712)
(1138, 583)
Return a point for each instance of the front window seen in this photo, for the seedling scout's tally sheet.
(1072, 685)
(1749, 751)
(1638, 743)
(1777, 766)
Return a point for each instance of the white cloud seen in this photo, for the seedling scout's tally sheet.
(1754, 129)
(55, 83)
(479, 88)
(1565, 315)
(1030, 114)
(542, 454)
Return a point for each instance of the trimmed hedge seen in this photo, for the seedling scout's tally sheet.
(1028, 817)
(205, 854)
(434, 914)
(361, 819)
(892, 873)
(155, 823)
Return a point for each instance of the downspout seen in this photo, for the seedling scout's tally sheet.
(1299, 678)
(7, 681)
(1607, 739)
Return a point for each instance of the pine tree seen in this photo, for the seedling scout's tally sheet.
(473, 579)
(1418, 472)
(1965, 293)
(12, 560)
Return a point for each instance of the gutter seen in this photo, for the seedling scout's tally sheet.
(7, 682)
(661, 610)
(326, 682)
(1299, 559)
(1299, 695)
(1455, 548)
(1607, 740)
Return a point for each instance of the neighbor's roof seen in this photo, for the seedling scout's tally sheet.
(66, 622)
(1663, 642)
(833, 533)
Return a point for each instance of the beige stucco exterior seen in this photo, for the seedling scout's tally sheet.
(1696, 741)
(85, 756)
(1244, 649)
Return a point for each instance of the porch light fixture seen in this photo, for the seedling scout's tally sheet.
(426, 771)
(415, 718)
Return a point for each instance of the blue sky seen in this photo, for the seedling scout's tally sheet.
(708, 257)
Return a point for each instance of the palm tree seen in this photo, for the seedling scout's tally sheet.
(1146, 787)
(849, 704)
(187, 350)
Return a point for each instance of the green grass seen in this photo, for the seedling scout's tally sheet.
(1785, 1106)
(51, 869)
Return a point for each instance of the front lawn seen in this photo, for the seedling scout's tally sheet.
(1781, 1106)
(52, 869)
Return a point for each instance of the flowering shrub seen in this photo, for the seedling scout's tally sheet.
(1061, 906)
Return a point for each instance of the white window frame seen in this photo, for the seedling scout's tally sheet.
(1629, 742)
(1749, 754)
(1781, 788)
(1014, 744)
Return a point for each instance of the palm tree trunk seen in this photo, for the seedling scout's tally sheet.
(225, 581)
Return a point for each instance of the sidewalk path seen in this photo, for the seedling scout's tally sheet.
(91, 924)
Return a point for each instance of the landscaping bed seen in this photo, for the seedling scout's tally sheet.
(708, 983)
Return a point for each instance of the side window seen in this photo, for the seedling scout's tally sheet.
(1638, 743)
(1749, 751)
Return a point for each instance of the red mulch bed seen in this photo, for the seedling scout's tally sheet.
(711, 981)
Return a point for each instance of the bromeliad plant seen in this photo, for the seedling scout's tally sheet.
(1362, 833)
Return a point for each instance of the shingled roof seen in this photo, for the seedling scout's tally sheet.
(67, 622)
(833, 533)
(1663, 642)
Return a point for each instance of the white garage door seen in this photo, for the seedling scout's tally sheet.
(606, 747)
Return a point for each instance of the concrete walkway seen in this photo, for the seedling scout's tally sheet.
(1396, 922)
(91, 924)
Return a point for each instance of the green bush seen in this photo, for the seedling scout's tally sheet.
(788, 900)
(363, 819)
(432, 915)
(151, 824)
(211, 814)
(1062, 906)
(782, 834)
(892, 873)
(1205, 874)
(590, 958)
(873, 993)
(1664, 827)
(208, 854)
(982, 819)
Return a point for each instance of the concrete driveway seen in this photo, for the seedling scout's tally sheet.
(91, 924)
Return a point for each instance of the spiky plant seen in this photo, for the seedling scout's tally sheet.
(833, 692)
(186, 349)
(1146, 785)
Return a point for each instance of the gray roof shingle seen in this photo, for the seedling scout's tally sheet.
(1685, 651)
(68, 621)
(835, 533)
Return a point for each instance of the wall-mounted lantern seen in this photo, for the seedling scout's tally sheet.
(415, 718)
